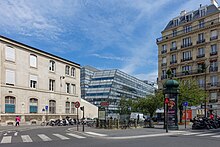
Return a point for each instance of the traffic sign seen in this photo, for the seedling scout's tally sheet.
(46, 107)
(185, 104)
(104, 103)
(77, 104)
(166, 100)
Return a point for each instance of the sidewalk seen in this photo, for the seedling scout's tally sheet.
(21, 127)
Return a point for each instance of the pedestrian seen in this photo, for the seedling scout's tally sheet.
(17, 120)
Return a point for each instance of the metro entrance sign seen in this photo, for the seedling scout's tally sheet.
(77, 104)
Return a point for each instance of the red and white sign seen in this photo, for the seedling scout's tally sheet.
(166, 100)
(77, 104)
(104, 104)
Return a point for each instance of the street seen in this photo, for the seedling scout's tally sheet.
(68, 136)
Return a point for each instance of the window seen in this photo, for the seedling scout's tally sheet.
(188, 17)
(173, 57)
(33, 61)
(67, 107)
(173, 44)
(201, 24)
(202, 12)
(9, 53)
(52, 106)
(201, 82)
(73, 88)
(164, 47)
(201, 51)
(187, 29)
(67, 71)
(187, 41)
(51, 85)
(213, 95)
(213, 65)
(10, 77)
(214, 35)
(67, 87)
(33, 105)
(201, 37)
(214, 48)
(72, 107)
(9, 104)
(174, 33)
(52, 66)
(213, 80)
(72, 71)
(187, 55)
(187, 68)
(33, 81)
(176, 22)
(173, 71)
(164, 60)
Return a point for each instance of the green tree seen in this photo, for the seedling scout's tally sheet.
(190, 92)
(125, 106)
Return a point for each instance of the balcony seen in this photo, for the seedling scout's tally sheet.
(200, 56)
(186, 59)
(213, 84)
(201, 85)
(200, 26)
(163, 64)
(187, 72)
(200, 41)
(213, 69)
(200, 70)
(213, 53)
(173, 61)
(163, 51)
(173, 48)
(213, 100)
(163, 77)
(213, 38)
(186, 45)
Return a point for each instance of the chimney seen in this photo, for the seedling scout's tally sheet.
(182, 13)
(214, 2)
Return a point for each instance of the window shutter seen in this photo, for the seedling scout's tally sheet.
(9, 53)
(10, 76)
(33, 61)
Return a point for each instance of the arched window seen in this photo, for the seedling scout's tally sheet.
(33, 105)
(72, 71)
(52, 65)
(67, 71)
(33, 60)
(52, 106)
(9, 104)
(67, 107)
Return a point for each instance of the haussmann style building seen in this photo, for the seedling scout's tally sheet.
(36, 85)
(189, 47)
(109, 86)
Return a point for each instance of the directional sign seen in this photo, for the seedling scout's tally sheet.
(46, 107)
(77, 104)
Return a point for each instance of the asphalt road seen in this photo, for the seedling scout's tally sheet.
(68, 136)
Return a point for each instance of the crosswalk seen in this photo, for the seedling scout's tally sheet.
(5, 139)
(202, 134)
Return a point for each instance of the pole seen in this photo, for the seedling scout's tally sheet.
(83, 129)
(166, 118)
(185, 116)
(205, 93)
(77, 123)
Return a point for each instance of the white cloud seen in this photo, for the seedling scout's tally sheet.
(152, 76)
(111, 57)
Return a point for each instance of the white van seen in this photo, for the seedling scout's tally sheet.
(134, 115)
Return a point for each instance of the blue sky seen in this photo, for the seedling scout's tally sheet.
(106, 34)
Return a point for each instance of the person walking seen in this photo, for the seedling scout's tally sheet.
(17, 119)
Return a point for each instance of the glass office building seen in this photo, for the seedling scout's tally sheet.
(110, 86)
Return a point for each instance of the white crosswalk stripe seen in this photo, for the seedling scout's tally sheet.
(208, 134)
(26, 138)
(61, 136)
(96, 134)
(76, 136)
(6, 139)
(44, 137)
(216, 136)
(190, 133)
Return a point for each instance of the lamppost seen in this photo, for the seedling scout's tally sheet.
(204, 67)
(61, 78)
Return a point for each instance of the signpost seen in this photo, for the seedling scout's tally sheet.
(82, 109)
(77, 105)
(185, 104)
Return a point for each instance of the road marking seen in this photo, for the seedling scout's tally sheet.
(16, 133)
(61, 136)
(97, 134)
(76, 136)
(208, 134)
(5, 134)
(26, 138)
(191, 133)
(44, 137)
(6, 139)
(216, 136)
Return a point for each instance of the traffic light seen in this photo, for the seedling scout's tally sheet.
(82, 108)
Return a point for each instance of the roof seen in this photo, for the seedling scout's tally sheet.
(210, 9)
(37, 49)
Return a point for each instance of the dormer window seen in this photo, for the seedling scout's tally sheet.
(176, 22)
(202, 12)
(188, 17)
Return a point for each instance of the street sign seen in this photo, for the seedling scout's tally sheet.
(77, 104)
(185, 104)
(166, 100)
(46, 107)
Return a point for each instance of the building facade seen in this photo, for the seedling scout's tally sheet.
(36, 85)
(189, 47)
(109, 86)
